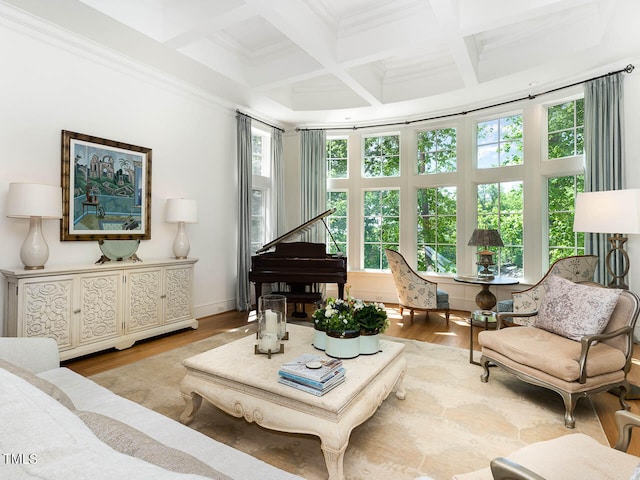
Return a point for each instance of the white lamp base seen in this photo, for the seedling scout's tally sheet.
(181, 243)
(35, 251)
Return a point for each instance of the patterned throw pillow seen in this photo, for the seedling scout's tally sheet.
(574, 310)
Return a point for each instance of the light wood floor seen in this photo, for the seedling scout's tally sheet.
(433, 330)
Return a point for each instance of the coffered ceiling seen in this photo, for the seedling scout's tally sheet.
(308, 62)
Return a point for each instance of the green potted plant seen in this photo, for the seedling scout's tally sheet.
(342, 329)
(372, 320)
(320, 327)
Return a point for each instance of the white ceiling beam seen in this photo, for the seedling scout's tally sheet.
(210, 26)
(303, 27)
(477, 17)
(462, 49)
(402, 37)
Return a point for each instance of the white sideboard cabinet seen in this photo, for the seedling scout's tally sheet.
(96, 307)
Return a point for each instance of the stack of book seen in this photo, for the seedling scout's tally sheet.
(312, 373)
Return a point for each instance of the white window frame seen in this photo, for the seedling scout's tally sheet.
(532, 172)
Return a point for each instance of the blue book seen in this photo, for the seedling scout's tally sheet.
(325, 367)
(313, 383)
(308, 389)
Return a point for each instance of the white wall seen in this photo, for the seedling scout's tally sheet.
(47, 86)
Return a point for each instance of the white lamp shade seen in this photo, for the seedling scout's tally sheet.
(34, 200)
(181, 210)
(611, 211)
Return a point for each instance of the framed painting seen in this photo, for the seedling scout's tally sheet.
(106, 189)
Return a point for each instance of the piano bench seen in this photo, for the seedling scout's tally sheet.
(301, 298)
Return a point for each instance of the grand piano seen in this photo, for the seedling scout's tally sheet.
(298, 264)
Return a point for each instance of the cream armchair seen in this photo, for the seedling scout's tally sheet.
(578, 268)
(415, 292)
(553, 354)
(569, 457)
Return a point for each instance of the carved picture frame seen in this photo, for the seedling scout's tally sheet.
(106, 189)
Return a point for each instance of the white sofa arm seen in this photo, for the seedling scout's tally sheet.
(33, 354)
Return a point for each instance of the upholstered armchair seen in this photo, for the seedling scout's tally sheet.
(578, 268)
(415, 292)
(581, 342)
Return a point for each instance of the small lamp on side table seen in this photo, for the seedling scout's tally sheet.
(35, 202)
(485, 238)
(181, 211)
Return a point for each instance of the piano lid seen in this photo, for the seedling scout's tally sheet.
(298, 230)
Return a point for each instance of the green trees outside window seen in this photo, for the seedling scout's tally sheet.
(381, 226)
(261, 187)
(257, 219)
(381, 156)
(437, 229)
(561, 197)
(337, 158)
(565, 127)
(256, 154)
(437, 151)
(337, 221)
(447, 165)
(500, 207)
(500, 142)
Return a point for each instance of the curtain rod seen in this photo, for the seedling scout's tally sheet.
(261, 121)
(628, 69)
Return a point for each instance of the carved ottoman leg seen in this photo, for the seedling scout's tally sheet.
(401, 393)
(334, 459)
(193, 402)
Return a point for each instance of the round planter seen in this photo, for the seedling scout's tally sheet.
(346, 346)
(319, 339)
(369, 343)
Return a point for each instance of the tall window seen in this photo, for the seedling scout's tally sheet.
(437, 151)
(500, 142)
(565, 129)
(561, 198)
(500, 207)
(382, 156)
(337, 222)
(437, 229)
(337, 159)
(261, 187)
(381, 226)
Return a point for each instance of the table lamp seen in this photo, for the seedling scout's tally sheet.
(612, 212)
(35, 202)
(181, 211)
(485, 238)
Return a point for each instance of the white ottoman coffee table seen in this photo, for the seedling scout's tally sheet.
(243, 384)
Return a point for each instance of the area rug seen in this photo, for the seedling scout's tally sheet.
(450, 422)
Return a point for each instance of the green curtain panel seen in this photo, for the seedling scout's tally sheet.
(603, 145)
(313, 147)
(277, 191)
(243, 285)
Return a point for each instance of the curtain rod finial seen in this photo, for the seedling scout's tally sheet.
(629, 68)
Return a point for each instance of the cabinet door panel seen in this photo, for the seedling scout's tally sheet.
(144, 303)
(178, 285)
(100, 306)
(47, 309)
